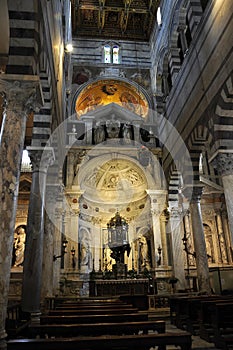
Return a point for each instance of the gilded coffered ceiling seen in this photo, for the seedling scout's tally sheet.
(114, 19)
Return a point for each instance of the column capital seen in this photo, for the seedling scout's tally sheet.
(157, 196)
(21, 94)
(223, 162)
(175, 213)
(196, 194)
(41, 158)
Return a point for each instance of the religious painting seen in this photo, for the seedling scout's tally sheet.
(108, 91)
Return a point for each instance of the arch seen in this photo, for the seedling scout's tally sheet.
(222, 119)
(199, 141)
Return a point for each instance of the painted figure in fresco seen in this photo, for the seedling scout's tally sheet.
(128, 101)
(19, 246)
(109, 89)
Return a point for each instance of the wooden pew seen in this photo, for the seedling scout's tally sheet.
(78, 302)
(91, 311)
(222, 323)
(185, 311)
(95, 318)
(113, 342)
(93, 307)
(16, 320)
(94, 329)
(206, 309)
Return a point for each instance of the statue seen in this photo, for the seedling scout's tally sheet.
(113, 128)
(85, 250)
(143, 253)
(19, 243)
(127, 133)
(80, 158)
(99, 133)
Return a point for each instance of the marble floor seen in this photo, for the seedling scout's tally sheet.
(197, 342)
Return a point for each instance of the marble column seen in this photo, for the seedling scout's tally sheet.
(224, 165)
(199, 242)
(158, 201)
(177, 247)
(57, 240)
(32, 277)
(52, 192)
(163, 220)
(20, 97)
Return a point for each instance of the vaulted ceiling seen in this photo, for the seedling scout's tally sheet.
(114, 19)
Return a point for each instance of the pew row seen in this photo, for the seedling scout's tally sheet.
(94, 307)
(94, 329)
(91, 311)
(106, 342)
(94, 318)
(222, 323)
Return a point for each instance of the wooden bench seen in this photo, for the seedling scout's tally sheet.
(93, 307)
(113, 342)
(95, 318)
(206, 309)
(222, 323)
(91, 311)
(94, 329)
(16, 320)
(185, 311)
(54, 302)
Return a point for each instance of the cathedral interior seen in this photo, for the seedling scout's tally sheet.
(116, 150)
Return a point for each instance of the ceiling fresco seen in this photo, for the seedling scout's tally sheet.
(108, 91)
(114, 19)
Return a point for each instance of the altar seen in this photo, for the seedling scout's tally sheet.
(119, 287)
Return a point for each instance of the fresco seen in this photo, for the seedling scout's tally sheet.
(103, 92)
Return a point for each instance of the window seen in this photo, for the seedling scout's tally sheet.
(159, 17)
(107, 54)
(111, 53)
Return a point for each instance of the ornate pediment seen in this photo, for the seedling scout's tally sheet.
(113, 112)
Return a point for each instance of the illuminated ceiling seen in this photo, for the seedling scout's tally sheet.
(104, 92)
(114, 19)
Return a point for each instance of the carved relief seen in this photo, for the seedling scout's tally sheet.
(223, 163)
(77, 160)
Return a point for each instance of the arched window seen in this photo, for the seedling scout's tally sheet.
(111, 53)
(107, 54)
